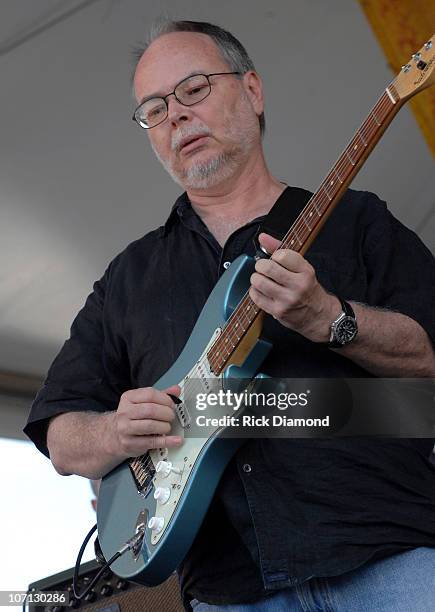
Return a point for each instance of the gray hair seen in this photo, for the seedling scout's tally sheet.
(231, 49)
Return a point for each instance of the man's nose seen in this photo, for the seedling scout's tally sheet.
(177, 112)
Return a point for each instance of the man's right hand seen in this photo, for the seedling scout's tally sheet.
(143, 420)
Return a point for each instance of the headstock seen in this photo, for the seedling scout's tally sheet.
(418, 73)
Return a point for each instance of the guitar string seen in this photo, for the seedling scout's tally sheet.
(367, 130)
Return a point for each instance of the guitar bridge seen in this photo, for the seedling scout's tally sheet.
(142, 470)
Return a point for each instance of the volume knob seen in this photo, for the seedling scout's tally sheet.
(156, 523)
(162, 494)
(165, 468)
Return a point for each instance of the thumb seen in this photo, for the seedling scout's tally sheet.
(268, 242)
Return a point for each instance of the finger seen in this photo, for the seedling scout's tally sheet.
(174, 390)
(291, 260)
(273, 270)
(148, 395)
(147, 426)
(262, 301)
(149, 410)
(164, 441)
(138, 445)
(269, 288)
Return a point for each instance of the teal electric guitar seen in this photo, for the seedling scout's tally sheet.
(161, 497)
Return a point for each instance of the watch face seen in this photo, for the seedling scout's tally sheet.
(346, 330)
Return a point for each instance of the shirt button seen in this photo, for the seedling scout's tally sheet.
(246, 467)
(227, 264)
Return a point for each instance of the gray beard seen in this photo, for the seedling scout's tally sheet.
(202, 175)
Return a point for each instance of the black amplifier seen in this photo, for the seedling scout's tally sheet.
(109, 594)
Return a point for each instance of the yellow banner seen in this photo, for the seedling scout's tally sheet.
(402, 27)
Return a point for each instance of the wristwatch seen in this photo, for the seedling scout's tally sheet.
(344, 329)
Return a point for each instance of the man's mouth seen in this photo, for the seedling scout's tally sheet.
(191, 143)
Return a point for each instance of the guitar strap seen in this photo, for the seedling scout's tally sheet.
(282, 215)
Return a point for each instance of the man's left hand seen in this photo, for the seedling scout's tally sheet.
(286, 287)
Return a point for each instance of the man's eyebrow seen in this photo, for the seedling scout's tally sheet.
(160, 95)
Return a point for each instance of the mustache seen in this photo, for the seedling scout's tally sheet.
(188, 131)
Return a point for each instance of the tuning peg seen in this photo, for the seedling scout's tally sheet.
(428, 45)
(406, 67)
(416, 57)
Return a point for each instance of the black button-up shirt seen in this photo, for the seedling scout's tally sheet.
(285, 510)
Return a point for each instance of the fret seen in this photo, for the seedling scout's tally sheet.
(244, 320)
(374, 117)
(344, 165)
(306, 223)
(359, 133)
(337, 175)
(327, 194)
(366, 131)
(315, 206)
(349, 157)
(295, 237)
(355, 146)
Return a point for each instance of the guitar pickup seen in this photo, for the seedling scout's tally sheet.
(182, 414)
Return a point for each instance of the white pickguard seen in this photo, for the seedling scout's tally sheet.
(200, 379)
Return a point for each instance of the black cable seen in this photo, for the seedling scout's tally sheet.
(25, 600)
(97, 575)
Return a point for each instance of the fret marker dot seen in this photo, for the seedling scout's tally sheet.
(311, 214)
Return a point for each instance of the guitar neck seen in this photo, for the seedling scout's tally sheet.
(414, 77)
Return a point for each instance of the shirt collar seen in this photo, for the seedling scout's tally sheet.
(181, 206)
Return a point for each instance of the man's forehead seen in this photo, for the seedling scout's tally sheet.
(182, 42)
(172, 57)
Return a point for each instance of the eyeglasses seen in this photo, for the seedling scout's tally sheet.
(188, 92)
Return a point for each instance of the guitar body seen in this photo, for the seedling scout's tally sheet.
(123, 506)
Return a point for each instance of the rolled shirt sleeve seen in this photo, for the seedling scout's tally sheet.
(77, 380)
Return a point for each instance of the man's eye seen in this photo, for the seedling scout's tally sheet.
(155, 112)
(195, 90)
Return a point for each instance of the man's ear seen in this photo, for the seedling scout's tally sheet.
(254, 90)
